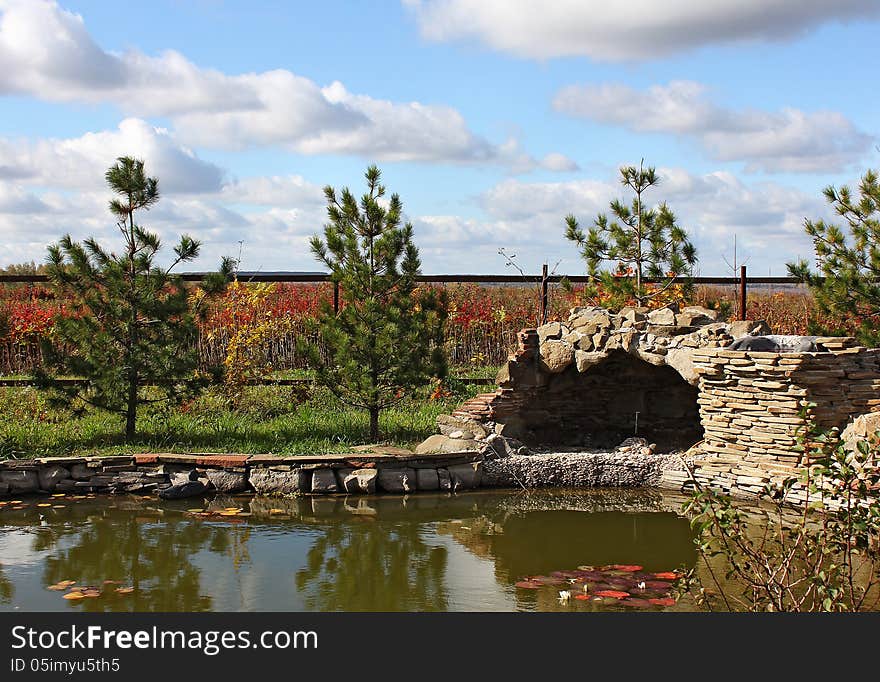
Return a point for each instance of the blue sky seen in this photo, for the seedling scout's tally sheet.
(491, 119)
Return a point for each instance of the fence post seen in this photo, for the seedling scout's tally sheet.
(336, 297)
(544, 294)
(742, 292)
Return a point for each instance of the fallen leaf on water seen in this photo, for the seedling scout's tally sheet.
(124, 590)
(74, 595)
(58, 495)
(91, 593)
(63, 585)
(666, 575)
(58, 506)
(194, 511)
(614, 594)
(44, 504)
(626, 568)
(232, 509)
(639, 603)
(229, 513)
(276, 511)
(529, 585)
(663, 601)
(15, 502)
(582, 597)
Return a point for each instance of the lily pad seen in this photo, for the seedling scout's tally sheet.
(663, 601)
(614, 594)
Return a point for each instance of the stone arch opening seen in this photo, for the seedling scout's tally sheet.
(597, 407)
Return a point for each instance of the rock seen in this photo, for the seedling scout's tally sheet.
(669, 330)
(267, 481)
(741, 328)
(4, 489)
(402, 480)
(662, 316)
(427, 479)
(228, 480)
(701, 310)
(466, 476)
(80, 472)
(633, 315)
(585, 343)
(586, 360)
(461, 435)
(358, 481)
(444, 480)
(21, 480)
(324, 482)
(592, 323)
(622, 340)
(755, 343)
(556, 356)
(440, 444)
(863, 427)
(50, 476)
(447, 424)
(692, 319)
(551, 330)
(682, 361)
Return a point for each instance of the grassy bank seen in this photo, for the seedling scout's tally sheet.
(266, 419)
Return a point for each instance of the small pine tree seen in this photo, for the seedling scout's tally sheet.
(134, 324)
(847, 284)
(642, 242)
(387, 339)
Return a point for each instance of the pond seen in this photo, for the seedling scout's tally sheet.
(476, 551)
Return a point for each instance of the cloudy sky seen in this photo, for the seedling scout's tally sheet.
(492, 119)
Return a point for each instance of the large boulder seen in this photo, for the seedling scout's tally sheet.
(586, 360)
(449, 425)
(21, 480)
(397, 480)
(358, 481)
(682, 361)
(466, 476)
(279, 481)
(228, 480)
(741, 328)
(324, 481)
(556, 356)
(664, 316)
(427, 479)
(440, 444)
(49, 476)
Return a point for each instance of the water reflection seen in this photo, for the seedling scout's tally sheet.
(419, 553)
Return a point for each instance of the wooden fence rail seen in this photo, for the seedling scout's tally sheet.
(544, 280)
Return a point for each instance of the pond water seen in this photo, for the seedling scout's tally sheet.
(423, 552)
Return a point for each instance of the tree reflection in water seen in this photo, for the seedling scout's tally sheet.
(153, 555)
(374, 566)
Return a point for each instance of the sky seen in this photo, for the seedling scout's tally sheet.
(492, 119)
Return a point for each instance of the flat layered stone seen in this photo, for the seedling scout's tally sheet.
(394, 480)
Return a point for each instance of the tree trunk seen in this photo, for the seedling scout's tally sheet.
(131, 408)
(374, 424)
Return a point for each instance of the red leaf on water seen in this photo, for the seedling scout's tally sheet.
(666, 575)
(582, 597)
(663, 601)
(615, 594)
(529, 585)
(627, 568)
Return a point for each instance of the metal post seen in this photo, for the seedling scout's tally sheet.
(544, 294)
(336, 297)
(742, 292)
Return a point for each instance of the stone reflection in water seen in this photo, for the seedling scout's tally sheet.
(6, 588)
(373, 562)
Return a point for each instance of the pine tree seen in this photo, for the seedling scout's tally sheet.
(847, 284)
(134, 325)
(642, 242)
(387, 339)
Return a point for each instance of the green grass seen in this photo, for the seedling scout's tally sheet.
(267, 419)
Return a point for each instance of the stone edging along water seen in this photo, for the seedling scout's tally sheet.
(148, 474)
(351, 473)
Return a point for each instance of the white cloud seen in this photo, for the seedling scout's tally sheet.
(528, 220)
(633, 30)
(789, 140)
(46, 52)
(80, 163)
